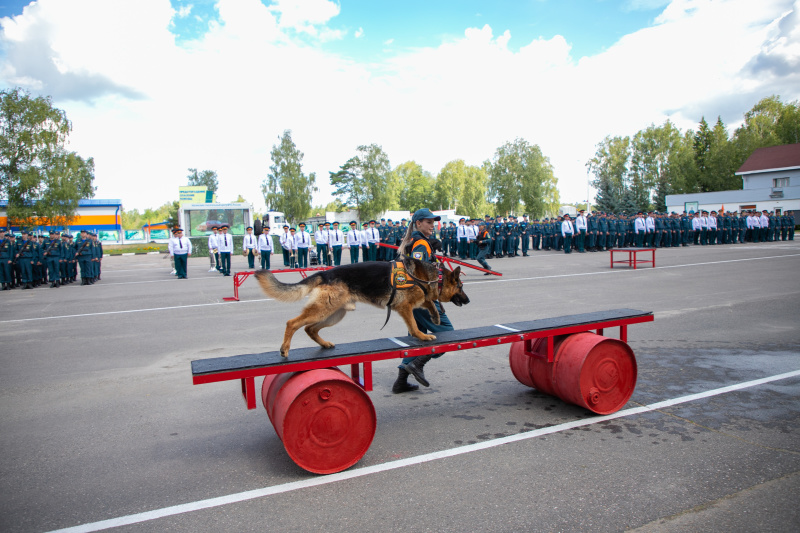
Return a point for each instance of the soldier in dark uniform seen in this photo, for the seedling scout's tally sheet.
(536, 234)
(83, 254)
(53, 255)
(524, 228)
(98, 256)
(602, 231)
(790, 214)
(24, 258)
(6, 258)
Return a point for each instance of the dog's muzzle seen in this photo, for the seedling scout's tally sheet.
(460, 299)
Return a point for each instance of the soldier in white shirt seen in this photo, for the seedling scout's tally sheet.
(291, 248)
(704, 228)
(697, 227)
(213, 253)
(287, 244)
(364, 243)
(353, 241)
(336, 241)
(302, 240)
(580, 230)
(265, 247)
(712, 228)
(373, 238)
(764, 223)
(249, 245)
(321, 238)
(225, 247)
(650, 230)
(639, 230)
(462, 239)
(181, 248)
(567, 231)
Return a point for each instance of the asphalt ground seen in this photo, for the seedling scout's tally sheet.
(101, 426)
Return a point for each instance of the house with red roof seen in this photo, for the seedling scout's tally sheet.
(770, 180)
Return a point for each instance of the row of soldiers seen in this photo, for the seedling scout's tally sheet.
(35, 260)
(603, 231)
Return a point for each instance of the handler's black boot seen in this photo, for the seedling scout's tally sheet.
(401, 384)
(415, 369)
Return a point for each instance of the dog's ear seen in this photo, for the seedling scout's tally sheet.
(457, 272)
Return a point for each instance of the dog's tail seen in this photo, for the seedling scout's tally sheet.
(285, 292)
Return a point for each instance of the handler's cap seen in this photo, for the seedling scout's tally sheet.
(424, 214)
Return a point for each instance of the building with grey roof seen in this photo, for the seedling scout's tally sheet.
(770, 180)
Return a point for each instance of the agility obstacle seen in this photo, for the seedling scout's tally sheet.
(326, 419)
(240, 277)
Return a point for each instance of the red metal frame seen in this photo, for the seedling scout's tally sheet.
(449, 261)
(240, 277)
(632, 259)
(365, 360)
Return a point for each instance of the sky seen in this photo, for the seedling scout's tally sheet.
(154, 87)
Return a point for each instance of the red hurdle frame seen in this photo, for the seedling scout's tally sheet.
(632, 259)
(361, 364)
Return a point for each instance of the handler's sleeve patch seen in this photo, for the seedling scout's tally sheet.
(417, 255)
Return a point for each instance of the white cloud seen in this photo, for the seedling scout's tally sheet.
(359, 33)
(147, 109)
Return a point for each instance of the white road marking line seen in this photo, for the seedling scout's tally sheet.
(398, 342)
(132, 311)
(619, 270)
(401, 463)
(610, 271)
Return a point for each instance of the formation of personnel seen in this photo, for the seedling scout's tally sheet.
(35, 260)
(512, 236)
(330, 241)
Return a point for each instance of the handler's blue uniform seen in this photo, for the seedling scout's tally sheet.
(419, 250)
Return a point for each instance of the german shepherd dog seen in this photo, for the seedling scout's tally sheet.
(335, 292)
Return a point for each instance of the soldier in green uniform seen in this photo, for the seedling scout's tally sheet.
(52, 255)
(6, 258)
(83, 254)
(24, 259)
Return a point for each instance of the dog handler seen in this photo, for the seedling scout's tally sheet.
(416, 240)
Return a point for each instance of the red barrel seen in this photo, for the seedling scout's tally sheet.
(589, 370)
(325, 420)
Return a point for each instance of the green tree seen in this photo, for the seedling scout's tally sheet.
(610, 167)
(204, 177)
(652, 152)
(34, 163)
(520, 173)
(788, 126)
(364, 181)
(414, 186)
(286, 188)
(461, 187)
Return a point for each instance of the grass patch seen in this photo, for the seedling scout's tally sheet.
(134, 248)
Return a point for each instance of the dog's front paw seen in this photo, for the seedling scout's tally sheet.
(327, 344)
(425, 337)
